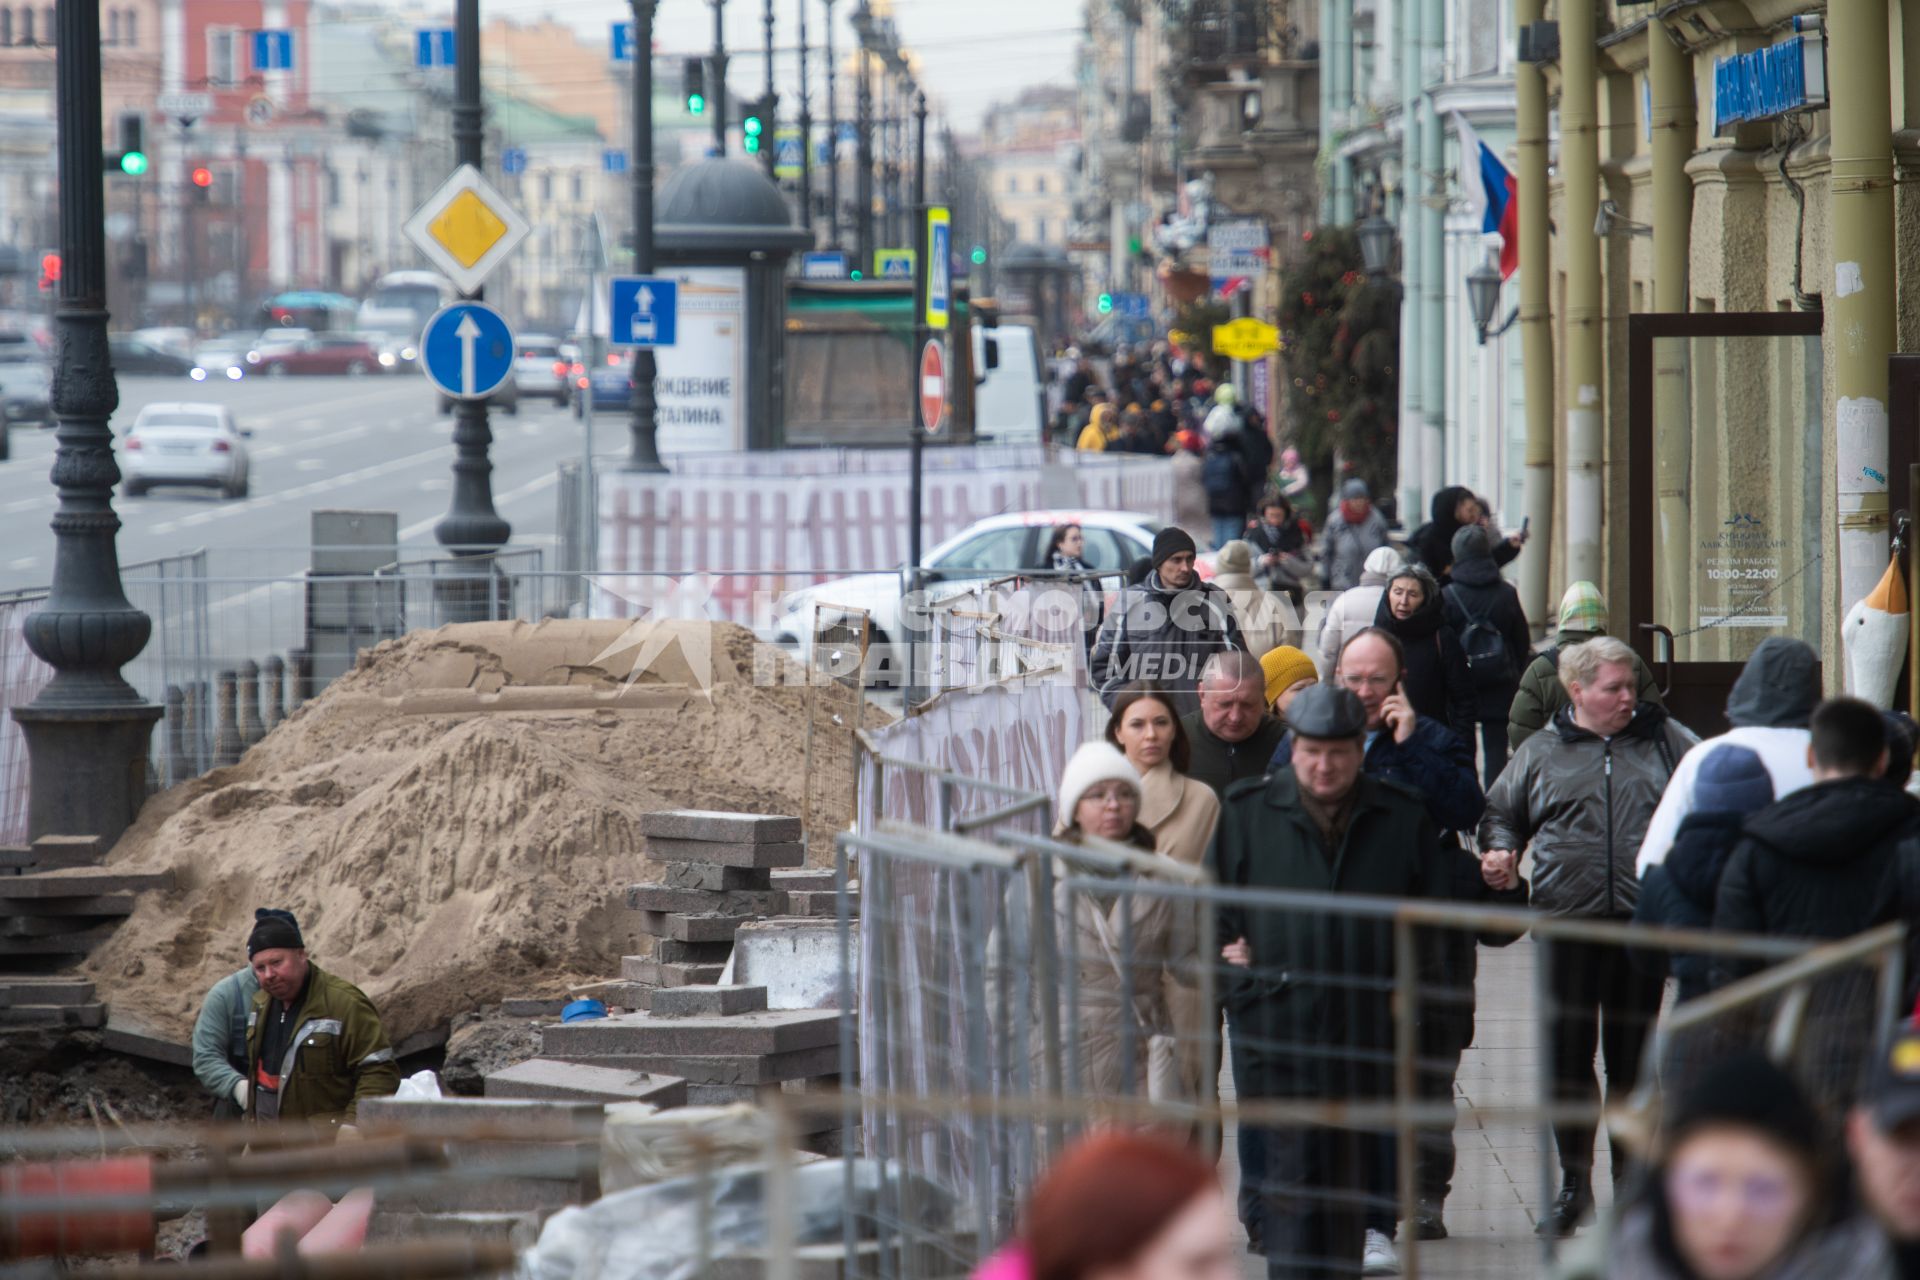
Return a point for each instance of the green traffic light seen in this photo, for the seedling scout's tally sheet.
(752, 126)
(696, 104)
(979, 256)
(856, 274)
(133, 163)
(752, 144)
(1106, 303)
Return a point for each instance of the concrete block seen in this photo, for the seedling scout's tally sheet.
(797, 961)
(138, 1041)
(493, 1195)
(820, 904)
(667, 951)
(518, 1229)
(725, 854)
(544, 1079)
(743, 1069)
(103, 904)
(707, 1002)
(656, 973)
(740, 902)
(705, 878)
(15, 857)
(726, 1095)
(82, 882)
(45, 990)
(63, 852)
(761, 1032)
(36, 926)
(705, 824)
(684, 927)
(89, 1016)
(621, 995)
(811, 879)
(533, 1007)
(76, 943)
(516, 1119)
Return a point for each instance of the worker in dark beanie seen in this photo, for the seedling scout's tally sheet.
(1165, 629)
(315, 1045)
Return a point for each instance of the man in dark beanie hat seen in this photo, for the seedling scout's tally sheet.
(1308, 995)
(1165, 629)
(315, 1045)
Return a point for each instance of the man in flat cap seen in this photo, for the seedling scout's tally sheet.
(315, 1046)
(1308, 994)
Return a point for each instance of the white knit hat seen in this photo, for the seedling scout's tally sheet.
(1093, 764)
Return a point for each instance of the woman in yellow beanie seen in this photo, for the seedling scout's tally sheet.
(1288, 671)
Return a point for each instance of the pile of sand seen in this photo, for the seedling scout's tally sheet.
(453, 819)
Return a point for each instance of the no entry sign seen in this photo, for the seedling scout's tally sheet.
(933, 385)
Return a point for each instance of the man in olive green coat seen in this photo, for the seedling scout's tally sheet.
(315, 1046)
(1583, 615)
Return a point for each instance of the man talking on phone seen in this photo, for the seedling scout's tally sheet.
(1424, 756)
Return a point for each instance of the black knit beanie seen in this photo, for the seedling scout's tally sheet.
(1748, 1090)
(1171, 542)
(274, 928)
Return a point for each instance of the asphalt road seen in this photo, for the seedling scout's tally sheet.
(366, 443)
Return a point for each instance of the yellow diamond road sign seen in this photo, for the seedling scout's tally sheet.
(1245, 339)
(467, 228)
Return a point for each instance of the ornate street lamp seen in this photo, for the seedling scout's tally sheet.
(1483, 295)
(1376, 246)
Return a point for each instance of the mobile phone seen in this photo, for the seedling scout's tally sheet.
(1525, 521)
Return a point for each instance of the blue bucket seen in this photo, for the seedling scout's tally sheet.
(582, 1010)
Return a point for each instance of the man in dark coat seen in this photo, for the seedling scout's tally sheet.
(1233, 734)
(1453, 508)
(1482, 605)
(1165, 629)
(1824, 861)
(1309, 996)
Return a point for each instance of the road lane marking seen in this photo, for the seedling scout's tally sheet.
(510, 496)
(301, 491)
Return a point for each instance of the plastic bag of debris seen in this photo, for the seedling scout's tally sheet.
(642, 1145)
(677, 1230)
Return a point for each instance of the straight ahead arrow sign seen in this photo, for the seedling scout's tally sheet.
(646, 299)
(468, 333)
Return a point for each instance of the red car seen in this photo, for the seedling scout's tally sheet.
(322, 353)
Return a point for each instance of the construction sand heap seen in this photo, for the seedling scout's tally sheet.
(454, 820)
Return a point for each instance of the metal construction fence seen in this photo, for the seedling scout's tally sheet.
(1005, 992)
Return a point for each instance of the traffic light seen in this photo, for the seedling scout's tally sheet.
(202, 179)
(49, 271)
(751, 127)
(856, 274)
(132, 159)
(979, 255)
(1106, 303)
(693, 73)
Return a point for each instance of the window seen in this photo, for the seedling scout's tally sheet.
(130, 27)
(223, 57)
(6, 25)
(546, 188)
(1013, 184)
(113, 26)
(579, 186)
(46, 25)
(1039, 230)
(333, 189)
(1105, 549)
(1040, 185)
(998, 551)
(26, 24)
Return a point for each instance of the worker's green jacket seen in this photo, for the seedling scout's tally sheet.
(337, 1055)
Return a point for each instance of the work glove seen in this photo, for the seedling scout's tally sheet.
(240, 1092)
(347, 1133)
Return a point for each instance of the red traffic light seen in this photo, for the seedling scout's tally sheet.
(50, 266)
(203, 177)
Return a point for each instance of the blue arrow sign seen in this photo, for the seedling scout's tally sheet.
(643, 311)
(614, 160)
(273, 51)
(1134, 306)
(826, 265)
(433, 47)
(513, 161)
(467, 350)
(623, 42)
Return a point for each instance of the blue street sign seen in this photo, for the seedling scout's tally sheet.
(433, 47)
(273, 51)
(467, 350)
(824, 266)
(623, 42)
(642, 311)
(847, 133)
(1133, 306)
(614, 160)
(513, 161)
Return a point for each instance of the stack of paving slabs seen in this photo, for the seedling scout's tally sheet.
(719, 875)
(56, 904)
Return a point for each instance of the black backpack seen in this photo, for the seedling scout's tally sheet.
(1487, 658)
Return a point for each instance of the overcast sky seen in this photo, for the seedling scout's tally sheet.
(974, 52)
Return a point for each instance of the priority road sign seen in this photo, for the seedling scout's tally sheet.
(467, 350)
(467, 228)
(939, 267)
(933, 384)
(643, 311)
(433, 47)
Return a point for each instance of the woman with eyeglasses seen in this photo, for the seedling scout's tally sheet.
(1742, 1192)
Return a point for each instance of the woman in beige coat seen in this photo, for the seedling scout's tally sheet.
(1181, 812)
(1259, 612)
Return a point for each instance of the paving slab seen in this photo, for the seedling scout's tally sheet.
(667, 951)
(797, 960)
(39, 926)
(707, 1001)
(712, 826)
(139, 1042)
(15, 857)
(738, 902)
(72, 943)
(547, 1079)
(52, 852)
(99, 904)
(87, 1016)
(707, 878)
(518, 1229)
(746, 1069)
(685, 927)
(525, 1120)
(82, 882)
(726, 853)
(766, 1031)
(49, 989)
(810, 879)
(819, 903)
(658, 973)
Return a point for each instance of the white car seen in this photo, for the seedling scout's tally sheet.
(185, 444)
(539, 369)
(983, 551)
(225, 356)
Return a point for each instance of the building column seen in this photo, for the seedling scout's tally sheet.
(1585, 358)
(1434, 330)
(1536, 328)
(280, 265)
(1670, 81)
(1336, 65)
(1411, 494)
(1863, 294)
(1328, 142)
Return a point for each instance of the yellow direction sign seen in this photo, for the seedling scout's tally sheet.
(1245, 339)
(467, 228)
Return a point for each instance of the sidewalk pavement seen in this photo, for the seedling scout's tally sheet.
(1497, 1185)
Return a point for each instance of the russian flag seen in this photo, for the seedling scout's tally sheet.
(1492, 192)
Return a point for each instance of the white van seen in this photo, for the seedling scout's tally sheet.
(1009, 393)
